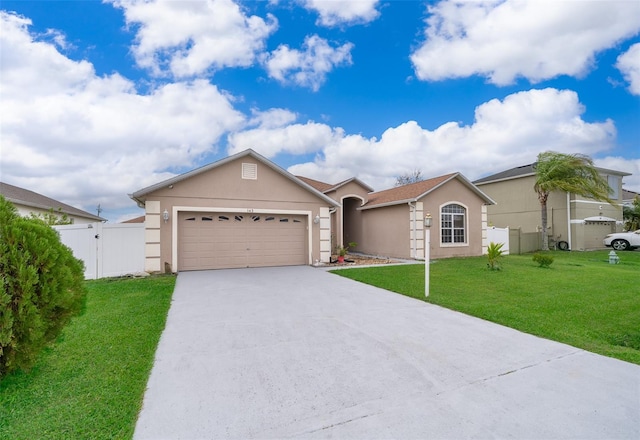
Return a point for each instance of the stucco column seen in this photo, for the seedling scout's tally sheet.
(325, 235)
(485, 225)
(416, 230)
(152, 236)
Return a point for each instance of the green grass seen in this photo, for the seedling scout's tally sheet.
(580, 300)
(90, 383)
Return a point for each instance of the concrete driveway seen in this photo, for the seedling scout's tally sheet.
(296, 352)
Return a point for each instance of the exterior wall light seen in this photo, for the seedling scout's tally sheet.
(316, 219)
(428, 220)
(165, 216)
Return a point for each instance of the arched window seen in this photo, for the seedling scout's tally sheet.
(453, 224)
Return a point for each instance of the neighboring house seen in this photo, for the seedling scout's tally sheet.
(579, 221)
(628, 197)
(28, 202)
(245, 211)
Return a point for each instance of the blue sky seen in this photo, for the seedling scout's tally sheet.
(100, 99)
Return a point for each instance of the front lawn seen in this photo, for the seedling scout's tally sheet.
(580, 300)
(90, 384)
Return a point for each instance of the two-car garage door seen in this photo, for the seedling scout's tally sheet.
(234, 240)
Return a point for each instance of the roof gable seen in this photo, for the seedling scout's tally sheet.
(414, 191)
(328, 187)
(25, 197)
(139, 195)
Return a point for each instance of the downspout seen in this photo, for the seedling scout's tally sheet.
(569, 221)
(415, 242)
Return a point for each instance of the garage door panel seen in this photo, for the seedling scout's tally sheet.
(216, 241)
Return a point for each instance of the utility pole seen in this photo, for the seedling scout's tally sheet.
(99, 209)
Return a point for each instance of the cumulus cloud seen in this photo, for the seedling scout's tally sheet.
(504, 40)
(295, 139)
(88, 139)
(272, 118)
(504, 134)
(309, 67)
(189, 38)
(336, 12)
(629, 64)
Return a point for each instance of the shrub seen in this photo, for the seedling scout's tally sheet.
(41, 288)
(494, 254)
(543, 260)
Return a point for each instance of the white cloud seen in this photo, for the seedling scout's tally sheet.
(336, 12)
(191, 37)
(85, 139)
(629, 64)
(505, 133)
(535, 39)
(307, 68)
(272, 118)
(294, 139)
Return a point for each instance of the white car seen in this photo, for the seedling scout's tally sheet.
(623, 241)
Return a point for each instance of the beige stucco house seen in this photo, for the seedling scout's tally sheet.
(245, 211)
(391, 222)
(29, 202)
(575, 222)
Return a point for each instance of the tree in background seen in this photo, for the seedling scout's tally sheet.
(407, 178)
(631, 215)
(52, 217)
(572, 173)
(41, 288)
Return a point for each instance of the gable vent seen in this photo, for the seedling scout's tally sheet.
(250, 171)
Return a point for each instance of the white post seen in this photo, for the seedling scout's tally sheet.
(427, 252)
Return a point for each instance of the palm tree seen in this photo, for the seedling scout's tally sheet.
(572, 173)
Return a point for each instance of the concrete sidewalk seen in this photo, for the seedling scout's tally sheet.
(296, 352)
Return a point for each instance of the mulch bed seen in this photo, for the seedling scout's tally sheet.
(360, 260)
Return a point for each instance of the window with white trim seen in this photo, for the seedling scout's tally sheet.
(453, 224)
(614, 183)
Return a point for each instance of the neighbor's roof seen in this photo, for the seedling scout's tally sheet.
(135, 220)
(529, 170)
(139, 195)
(21, 196)
(328, 187)
(629, 195)
(415, 191)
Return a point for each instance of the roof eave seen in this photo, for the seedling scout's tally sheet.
(139, 195)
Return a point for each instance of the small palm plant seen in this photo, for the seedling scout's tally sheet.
(494, 254)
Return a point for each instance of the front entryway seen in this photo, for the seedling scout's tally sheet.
(233, 240)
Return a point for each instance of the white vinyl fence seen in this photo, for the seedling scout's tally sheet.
(107, 250)
(499, 235)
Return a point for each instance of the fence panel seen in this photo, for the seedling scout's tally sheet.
(106, 250)
(122, 250)
(499, 235)
(81, 239)
(523, 242)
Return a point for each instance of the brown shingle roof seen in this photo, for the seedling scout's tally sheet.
(22, 196)
(316, 184)
(135, 220)
(408, 192)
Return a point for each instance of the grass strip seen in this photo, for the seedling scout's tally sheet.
(580, 300)
(91, 382)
